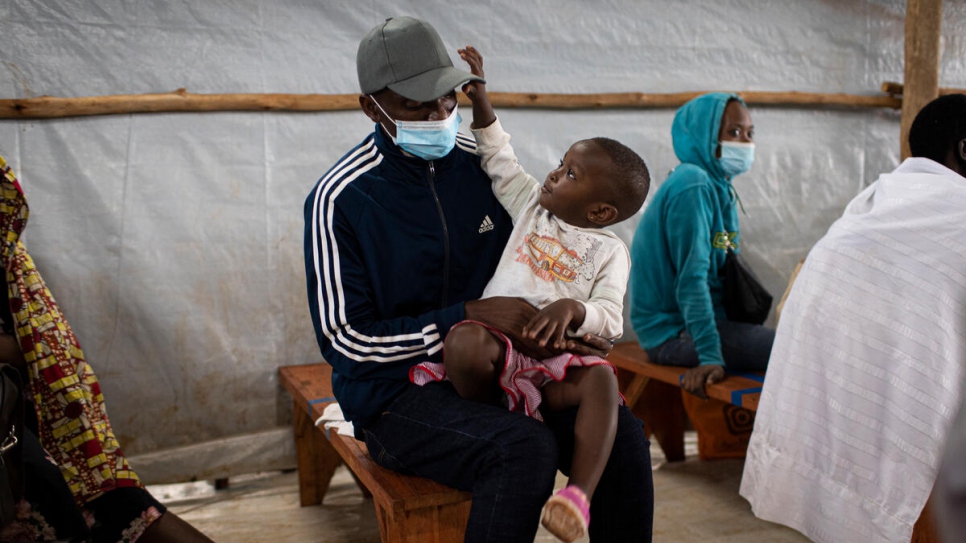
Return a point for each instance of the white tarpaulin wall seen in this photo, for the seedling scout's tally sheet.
(173, 242)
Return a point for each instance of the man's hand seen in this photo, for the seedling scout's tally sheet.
(509, 315)
(590, 345)
(695, 379)
(483, 114)
(550, 324)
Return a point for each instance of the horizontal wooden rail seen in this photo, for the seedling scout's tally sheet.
(895, 89)
(49, 107)
(673, 100)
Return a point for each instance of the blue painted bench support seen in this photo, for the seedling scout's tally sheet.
(653, 393)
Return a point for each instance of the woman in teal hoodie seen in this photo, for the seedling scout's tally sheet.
(680, 246)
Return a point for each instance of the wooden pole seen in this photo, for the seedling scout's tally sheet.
(49, 107)
(674, 100)
(895, 89)
(921, 85)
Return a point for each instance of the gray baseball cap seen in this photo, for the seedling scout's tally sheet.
(408, 56)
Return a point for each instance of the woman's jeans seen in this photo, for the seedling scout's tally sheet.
(745, 347)
(509, 462)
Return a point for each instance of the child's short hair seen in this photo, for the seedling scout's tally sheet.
(631, 180)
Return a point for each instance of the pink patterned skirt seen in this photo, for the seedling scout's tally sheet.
(522, 376)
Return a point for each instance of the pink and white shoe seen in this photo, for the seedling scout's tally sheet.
(567, 514)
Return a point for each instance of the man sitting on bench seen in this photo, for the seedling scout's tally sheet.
(402, 235)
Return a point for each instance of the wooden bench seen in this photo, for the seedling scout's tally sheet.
(409, 509)
(653, 393)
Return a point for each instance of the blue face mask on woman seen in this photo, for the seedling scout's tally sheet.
(429, 140)
(736, 157)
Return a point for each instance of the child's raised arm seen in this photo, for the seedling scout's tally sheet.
(483, 114)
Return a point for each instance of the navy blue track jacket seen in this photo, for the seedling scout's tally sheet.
(393, 247)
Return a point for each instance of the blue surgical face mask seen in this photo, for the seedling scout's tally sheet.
(736, 157)
(429, 140)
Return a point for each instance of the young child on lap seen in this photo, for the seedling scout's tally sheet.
(561, 260)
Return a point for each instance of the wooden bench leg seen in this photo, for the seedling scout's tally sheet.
(362, 487)
(661, 409)
(452, 522)
(317, 459)
(634, 389)
(433, 524)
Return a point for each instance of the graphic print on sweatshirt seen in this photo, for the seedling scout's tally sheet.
(552, 260)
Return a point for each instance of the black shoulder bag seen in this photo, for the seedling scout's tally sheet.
(11, 439)
(745, 299)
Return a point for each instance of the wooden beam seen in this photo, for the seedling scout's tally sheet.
(895, 89)
(673, 100)
(49, 107)
(921, 85)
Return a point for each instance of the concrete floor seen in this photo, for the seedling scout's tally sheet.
(695, 501)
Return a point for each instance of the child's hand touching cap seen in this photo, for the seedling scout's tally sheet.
(475, 60)
(483, 114)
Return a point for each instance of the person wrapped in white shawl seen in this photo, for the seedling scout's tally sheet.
(866, 370)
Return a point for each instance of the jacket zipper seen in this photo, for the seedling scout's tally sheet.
(442, 217)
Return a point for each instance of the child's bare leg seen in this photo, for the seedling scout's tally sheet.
(593, 390)
(473, 358)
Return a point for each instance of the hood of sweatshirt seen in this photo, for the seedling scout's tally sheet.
(695, 132)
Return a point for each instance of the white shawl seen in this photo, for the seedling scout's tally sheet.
(865, 373)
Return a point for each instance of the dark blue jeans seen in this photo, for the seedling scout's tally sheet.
(509, 462)
(745, 347)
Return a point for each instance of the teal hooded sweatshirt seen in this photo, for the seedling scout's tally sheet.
(680, 243)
